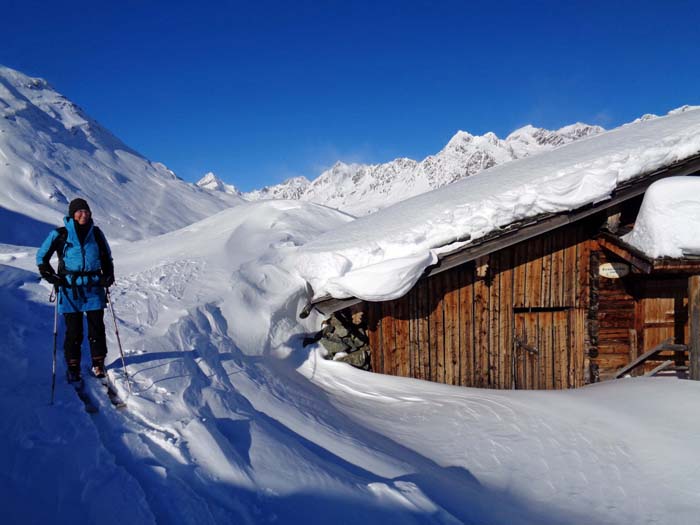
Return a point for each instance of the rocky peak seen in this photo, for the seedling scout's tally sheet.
(213, 183)
(292, 188)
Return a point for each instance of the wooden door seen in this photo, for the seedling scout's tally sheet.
(662, 314)
(543, 356)
(664, 306)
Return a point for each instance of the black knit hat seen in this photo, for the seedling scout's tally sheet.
(77, 204)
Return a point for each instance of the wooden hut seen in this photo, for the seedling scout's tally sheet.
(556, 302)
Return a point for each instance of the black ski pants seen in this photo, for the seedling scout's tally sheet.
(74, 337)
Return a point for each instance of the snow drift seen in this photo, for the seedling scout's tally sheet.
(668, 224)
(232, 420)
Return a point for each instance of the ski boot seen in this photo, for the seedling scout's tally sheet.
(73, 374)
(98, 369)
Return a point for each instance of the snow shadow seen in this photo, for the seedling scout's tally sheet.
(452, 488)
(302, 430)
(22, 230)
(53, 467)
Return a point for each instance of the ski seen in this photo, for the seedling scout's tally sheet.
(90, 406)
(112, 393)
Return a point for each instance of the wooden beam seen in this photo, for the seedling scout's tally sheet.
(643, 358)
(676, 265)
(625, 252)
(694, 326)
(662, 366)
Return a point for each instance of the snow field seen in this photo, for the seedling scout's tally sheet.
(231, 420)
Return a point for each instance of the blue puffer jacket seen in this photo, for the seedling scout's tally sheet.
(81, 266)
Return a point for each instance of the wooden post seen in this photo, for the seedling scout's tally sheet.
(694, 321)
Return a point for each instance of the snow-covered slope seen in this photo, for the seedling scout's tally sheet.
(361, 189)
(381, 256)
(233, 421)
(52, 152)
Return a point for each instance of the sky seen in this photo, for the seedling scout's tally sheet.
(258, 92)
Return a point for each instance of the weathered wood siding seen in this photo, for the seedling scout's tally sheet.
(664, 310)
(536, 315)
(662, 314)
(460, 326)
(634, 314)
(616, 334)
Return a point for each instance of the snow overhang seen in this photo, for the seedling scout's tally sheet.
(642, 263)
(523, 230)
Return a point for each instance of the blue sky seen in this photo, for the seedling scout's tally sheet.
(261, 91)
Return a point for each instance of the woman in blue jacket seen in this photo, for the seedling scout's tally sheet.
(85, 270)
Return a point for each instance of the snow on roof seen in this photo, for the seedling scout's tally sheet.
(668, 224)
(381, 256)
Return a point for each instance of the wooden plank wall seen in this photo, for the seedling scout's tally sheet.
(663, 311)
(634, 314)
(616, 320)
(460, 327)
(457, 327)
(664, 306)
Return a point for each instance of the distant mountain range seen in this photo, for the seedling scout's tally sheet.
(360, 189)
(52, 152)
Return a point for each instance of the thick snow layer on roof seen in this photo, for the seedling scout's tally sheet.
(668, 224)
(381, 256)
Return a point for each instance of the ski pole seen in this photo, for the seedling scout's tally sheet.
(119, 342)
(54, 299)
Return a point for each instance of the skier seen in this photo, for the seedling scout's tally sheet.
(85, 270)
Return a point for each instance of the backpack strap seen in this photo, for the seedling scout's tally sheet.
(105, 259)
(59, 246)
(101, 242)
(59, 243)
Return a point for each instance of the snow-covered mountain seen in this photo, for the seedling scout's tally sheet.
(360, 189)
(51, 152)
(293, 188)
(213, 183)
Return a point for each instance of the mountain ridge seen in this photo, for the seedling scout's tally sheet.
(360, 189)
(51, 151)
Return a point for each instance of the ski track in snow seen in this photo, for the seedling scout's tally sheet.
(231, 420)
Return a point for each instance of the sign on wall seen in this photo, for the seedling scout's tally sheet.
(613, 270)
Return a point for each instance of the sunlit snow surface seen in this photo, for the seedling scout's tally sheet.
(52, 152)
(233, 421)
(360, 259)
(668, 223)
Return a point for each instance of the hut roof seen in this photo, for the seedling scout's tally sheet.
(381, 256)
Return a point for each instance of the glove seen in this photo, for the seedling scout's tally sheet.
(107, 280)
(52, 277)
